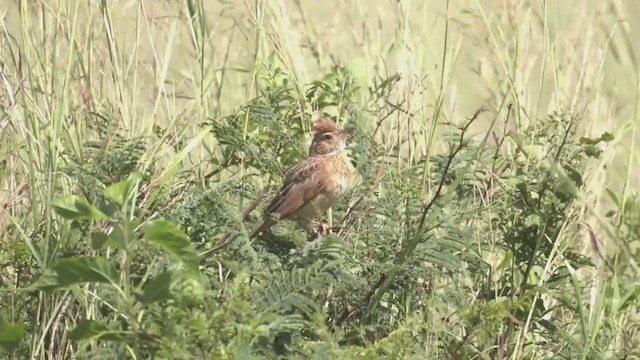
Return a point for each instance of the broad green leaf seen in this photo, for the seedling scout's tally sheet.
(118, 192)
(123, 232)
(77, 270)
(74, 207)
(110, 209)
(100, 240)
(10, 335)
(94, 330)
(169, 237)
(157, 289)
(121, 191)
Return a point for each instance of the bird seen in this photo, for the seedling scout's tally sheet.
(314, 184)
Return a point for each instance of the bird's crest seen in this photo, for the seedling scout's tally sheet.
(324, 125)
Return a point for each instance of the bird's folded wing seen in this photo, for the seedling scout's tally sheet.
(302, 185)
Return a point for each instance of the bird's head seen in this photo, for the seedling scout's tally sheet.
(328, 138)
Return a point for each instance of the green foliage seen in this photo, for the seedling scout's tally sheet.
(105, 161)
(76, 208)
(170, 238)
(204, 213)
(443, 259)
(136, 136)
(10, 335)
(77, 270)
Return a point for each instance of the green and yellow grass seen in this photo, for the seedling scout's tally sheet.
(164, 71)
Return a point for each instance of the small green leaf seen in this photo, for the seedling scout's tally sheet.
(589, 141)
(74, 207)
(123, 232)
(96, 330)
(168, 236)
(101, 241)
(535, 274)
(118, 192)
(532, 220)
(574, 175)
(157, 289)
(76, 270)
(98, 240)
(10, 335)
(592, 151)
(121, 191)
(607, 137)
(612, 196)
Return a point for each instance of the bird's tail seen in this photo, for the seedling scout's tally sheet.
(265, 224)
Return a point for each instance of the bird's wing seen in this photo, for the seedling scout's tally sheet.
(302, 184)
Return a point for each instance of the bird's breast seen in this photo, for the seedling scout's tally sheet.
(336, 173)
(340, 173)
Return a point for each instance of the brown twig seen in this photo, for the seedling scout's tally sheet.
(380, 173)
(223, 241)
(366, 299)
(450, 158)
(376, 183)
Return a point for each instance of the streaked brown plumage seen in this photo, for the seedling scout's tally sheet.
(313, 185)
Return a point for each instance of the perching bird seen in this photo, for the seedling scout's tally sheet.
(313, 185)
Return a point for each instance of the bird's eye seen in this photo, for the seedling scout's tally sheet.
(327, 136)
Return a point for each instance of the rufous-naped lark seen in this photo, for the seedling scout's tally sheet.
(313, 185)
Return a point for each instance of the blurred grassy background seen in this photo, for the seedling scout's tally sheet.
(547, 53)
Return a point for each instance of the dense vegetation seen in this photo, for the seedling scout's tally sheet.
(124, 231)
